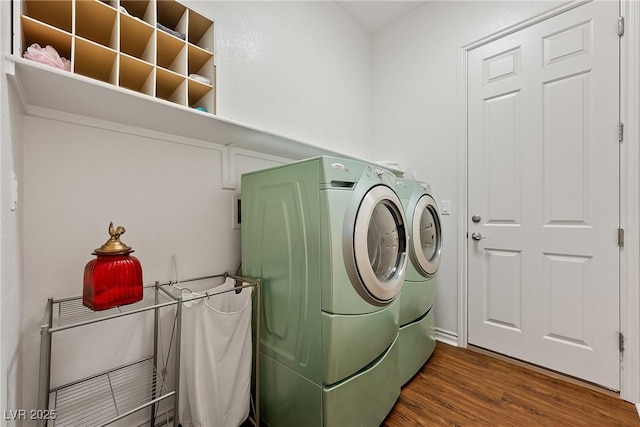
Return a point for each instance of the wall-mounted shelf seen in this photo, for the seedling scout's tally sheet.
(149, 66)
(47, 92)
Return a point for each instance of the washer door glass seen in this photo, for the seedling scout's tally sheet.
(427, 236)
(380, 243)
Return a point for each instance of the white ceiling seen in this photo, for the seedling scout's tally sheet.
(375, 15)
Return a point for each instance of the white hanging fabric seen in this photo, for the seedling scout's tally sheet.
(215, 360)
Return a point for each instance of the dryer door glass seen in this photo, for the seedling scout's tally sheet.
(383, 242)
(427, 236)
(380, 245)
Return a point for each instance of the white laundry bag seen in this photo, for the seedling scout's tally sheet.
(215, 361)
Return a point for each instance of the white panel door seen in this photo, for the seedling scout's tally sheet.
(543, 184)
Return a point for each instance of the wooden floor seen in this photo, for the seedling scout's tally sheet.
(459, 387)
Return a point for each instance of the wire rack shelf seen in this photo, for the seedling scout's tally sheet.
(105, 398)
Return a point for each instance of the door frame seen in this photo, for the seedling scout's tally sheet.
(629, 185)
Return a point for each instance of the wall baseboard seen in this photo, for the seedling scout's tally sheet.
(447, 337)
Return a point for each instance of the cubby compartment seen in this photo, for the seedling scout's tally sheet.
(55, 13)
(140, 9)
(136, 75)
(200, 96)
(200, 31)
(171, 86)
(36, 32)
(136, 38)
(200, 62)
(149, 46)
(95, 61)
(96, 21)
(171, 53)
(172, 16)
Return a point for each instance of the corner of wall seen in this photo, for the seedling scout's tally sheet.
(10, 230)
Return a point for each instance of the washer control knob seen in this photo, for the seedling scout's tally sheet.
(339, 166)
(380, 173)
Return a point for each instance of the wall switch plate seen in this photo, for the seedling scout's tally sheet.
(445, 207)
(14, 192)
(236, 212)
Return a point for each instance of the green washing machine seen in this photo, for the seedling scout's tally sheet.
(327, 236)
(417, 336)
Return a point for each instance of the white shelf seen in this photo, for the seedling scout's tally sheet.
(45, 89)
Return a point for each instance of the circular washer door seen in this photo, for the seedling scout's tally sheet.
(380, 245)
(426, 234)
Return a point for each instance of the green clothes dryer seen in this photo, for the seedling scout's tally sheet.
(416, 339)
(327, 237)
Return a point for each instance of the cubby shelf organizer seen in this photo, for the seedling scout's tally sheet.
(158, 48)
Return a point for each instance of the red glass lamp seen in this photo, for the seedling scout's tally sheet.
(115, 277)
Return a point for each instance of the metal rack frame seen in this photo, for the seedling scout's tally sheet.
(137, 381)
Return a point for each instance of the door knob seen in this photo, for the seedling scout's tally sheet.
(476, 236)
(476, 218)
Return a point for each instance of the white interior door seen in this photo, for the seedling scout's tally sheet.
(543, 195)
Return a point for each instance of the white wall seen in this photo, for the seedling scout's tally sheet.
(299, 69)
(416, 76)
